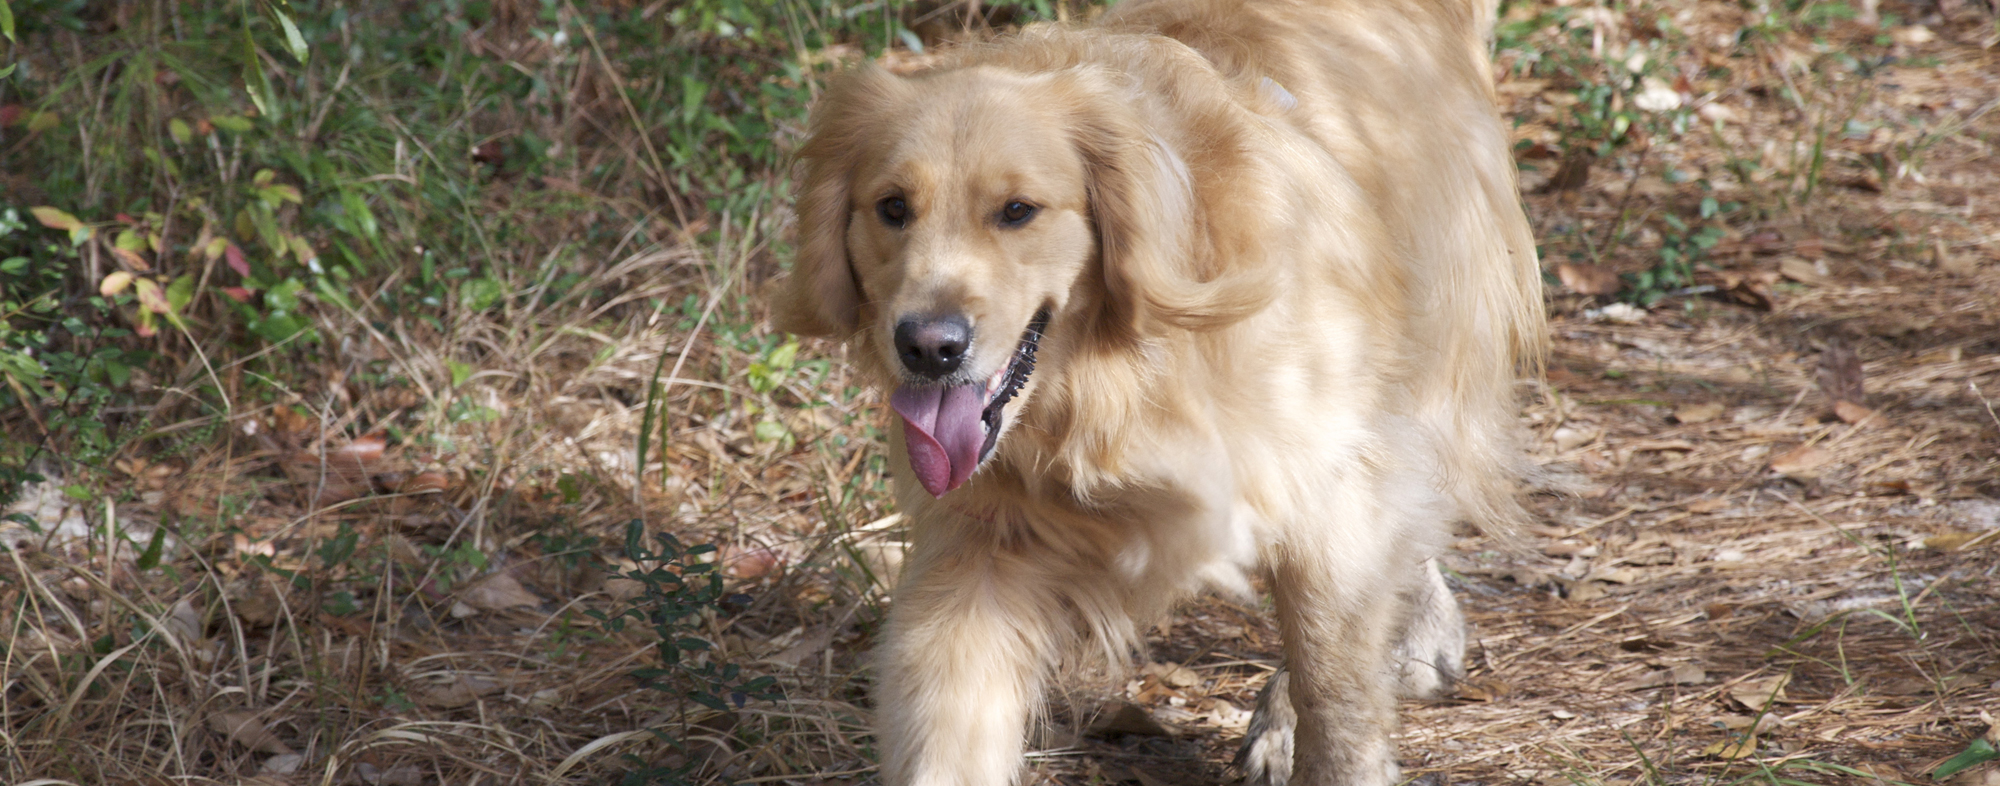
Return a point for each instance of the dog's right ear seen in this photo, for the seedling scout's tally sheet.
(821, 296)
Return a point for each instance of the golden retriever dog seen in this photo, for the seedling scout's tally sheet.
(1203, 291)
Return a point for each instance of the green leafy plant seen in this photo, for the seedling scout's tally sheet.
(679, 592)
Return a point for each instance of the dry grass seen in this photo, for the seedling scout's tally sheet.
(1681, 589)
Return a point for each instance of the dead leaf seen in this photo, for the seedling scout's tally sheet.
(1481, 689)
(462, 690)
(1678, 674)
(281, 764)
(1173, 674)
(1699, 413)
(1759, 694)
(399, 775)
(1801, 463)
(1589, 279)
(1763, 723)
(749, 563)
(498, 591)
(1804, 272)
(243, 728)
(1574, 172)
(1733, 748)
(1853, 413)
(185, 621)
(426, 482)
(1955, 540)
(255, 601)
(1708, 505)
(1124, 717)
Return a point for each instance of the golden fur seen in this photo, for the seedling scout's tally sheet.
(1290, 285)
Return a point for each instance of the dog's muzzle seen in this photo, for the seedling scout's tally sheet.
(951, 429)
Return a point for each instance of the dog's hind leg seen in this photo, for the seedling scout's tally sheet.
(968, 643)
(1429, 657)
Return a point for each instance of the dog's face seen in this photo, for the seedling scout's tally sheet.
(947, 223)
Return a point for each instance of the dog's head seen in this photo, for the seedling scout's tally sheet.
(961, 226)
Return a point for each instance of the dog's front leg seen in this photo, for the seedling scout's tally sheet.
(961, 666)
(1339, 621)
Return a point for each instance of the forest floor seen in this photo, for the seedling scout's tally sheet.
(1767, 545)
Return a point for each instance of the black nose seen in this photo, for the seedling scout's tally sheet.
(933, 346)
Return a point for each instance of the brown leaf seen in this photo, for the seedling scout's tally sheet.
(1574, 172)
(1678, 674)
(1173, 674)
(426, 482)
(1801, 462)
(1958, 541)
(1853, 413)
(1759, 694)
(462, 690)
(498, 591)
(1699, 413)
(1589, 279)
(1481, 689)
(1802, 271)
(1733, 748)
(1124, 717)
(243, 728)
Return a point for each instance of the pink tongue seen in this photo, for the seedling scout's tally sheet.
(941, 427)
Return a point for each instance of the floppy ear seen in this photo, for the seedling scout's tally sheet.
(821, 297)
(1186, 253)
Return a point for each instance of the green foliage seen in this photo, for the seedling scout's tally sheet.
(679, 594)
(217, 184)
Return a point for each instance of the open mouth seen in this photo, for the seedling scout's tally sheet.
(951, 429)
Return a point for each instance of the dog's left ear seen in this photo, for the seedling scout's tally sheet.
(1175, 248)
(820, 297)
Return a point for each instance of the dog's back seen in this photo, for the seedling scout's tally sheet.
(1401, 92)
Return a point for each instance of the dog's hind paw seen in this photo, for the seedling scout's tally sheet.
(1266, 756)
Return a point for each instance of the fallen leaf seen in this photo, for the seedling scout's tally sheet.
(1481, 689)
(1173, 674)
(1763, 723)
(1574, 172)
(1733, 748)
(1759, 694)
(1699, 413)
(462, 690)
(282, 764)
(1852, 413)
(1678, 674)
(1124, 717)
(1802, 271)
(1955, 540)
(749, 563)
(498, 591)
(426, 482)
(1708, 505)
(185, 621)
(1801, 462)
(243, 728)
(1589, 279)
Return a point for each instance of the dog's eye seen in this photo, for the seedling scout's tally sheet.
(1016, 213)
(894, 211)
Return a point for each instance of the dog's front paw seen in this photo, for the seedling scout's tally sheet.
(1266, 756)
(1431, 653)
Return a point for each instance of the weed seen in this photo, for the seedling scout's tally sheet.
(679, 593)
